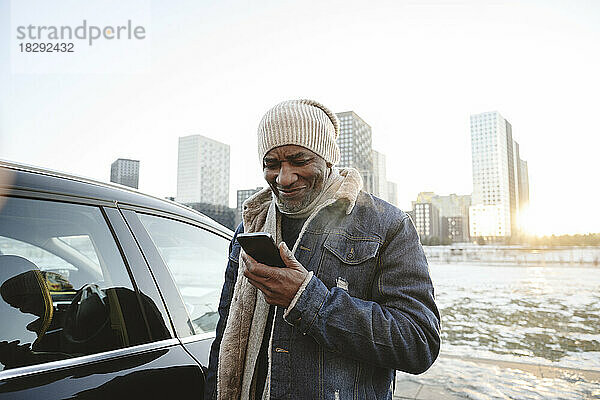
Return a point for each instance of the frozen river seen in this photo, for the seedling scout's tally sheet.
(541, 315)
(538, 314)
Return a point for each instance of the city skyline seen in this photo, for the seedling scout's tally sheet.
(214, 70)
(203, 146)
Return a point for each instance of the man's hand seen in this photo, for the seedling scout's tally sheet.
(279, 285)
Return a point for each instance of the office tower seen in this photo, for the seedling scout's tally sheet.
(392, 190)
(516, 172)
(453, 229)
(355, 147)
(383, 188)
(380, 188)
(202, 171)
(453, 208)
(449, 206)
(125, 172)
(496, 177)
(523, 184)
(427, 220)
(521, 181)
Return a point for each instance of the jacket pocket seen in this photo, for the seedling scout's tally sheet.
(349, 262)
(351, 250)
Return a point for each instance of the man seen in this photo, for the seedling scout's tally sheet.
(355, 301)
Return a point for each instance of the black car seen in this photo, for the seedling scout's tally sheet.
(105, 292)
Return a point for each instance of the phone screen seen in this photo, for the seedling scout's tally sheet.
(261, 247)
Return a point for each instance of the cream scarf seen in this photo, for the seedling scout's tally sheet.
(248, 310)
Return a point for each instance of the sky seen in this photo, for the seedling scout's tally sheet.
(414, 70)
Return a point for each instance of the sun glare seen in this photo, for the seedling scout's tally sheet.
(545, 220)
(528, 224)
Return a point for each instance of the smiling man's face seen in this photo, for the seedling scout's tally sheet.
(295, 174)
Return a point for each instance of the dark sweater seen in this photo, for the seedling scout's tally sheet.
(290, 230)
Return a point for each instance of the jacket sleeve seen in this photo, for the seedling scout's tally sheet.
(399, 328)
(210, 387)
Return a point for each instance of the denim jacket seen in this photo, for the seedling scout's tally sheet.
(368, 310)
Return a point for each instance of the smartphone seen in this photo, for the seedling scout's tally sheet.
(261, 247)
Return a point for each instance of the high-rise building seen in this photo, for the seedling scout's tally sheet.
(452, 207)
(487, 221)
(125, 172)
(427, 220)
(355, 147)
(516, 172)
(453, 229)
(496, 176)
(523, 184)
(202, 171)
(380, 187)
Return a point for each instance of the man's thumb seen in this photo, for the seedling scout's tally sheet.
(286, 253)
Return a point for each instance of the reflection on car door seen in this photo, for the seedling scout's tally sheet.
(74, 324)
(196, 259)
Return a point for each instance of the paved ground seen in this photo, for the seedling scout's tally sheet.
(408, 388)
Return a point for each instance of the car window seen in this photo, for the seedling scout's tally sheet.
(46, 261)
(197, 259)
(40, 257)
(65, 290)
(83, 244)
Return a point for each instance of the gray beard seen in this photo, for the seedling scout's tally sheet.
(287, 208)
(304, 207)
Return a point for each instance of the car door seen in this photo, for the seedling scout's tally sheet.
(81, 315)
(195, 256)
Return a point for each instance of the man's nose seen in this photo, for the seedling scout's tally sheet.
(286, 176)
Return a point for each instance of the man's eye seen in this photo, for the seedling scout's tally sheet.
(271, 164)
(300, 162)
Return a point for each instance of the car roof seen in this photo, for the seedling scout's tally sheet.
(41, 180)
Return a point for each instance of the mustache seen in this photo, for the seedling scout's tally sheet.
(288, 188)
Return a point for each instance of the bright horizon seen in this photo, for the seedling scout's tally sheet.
(414, 71)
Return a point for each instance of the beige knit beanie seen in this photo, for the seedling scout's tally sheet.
(305, 123)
